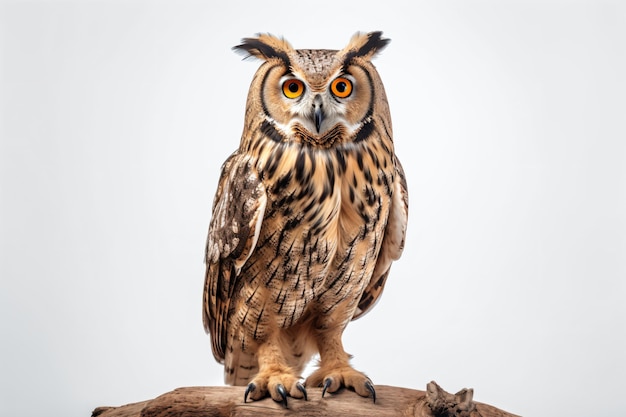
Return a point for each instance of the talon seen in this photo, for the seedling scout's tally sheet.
(371, 389)
(302, 390)
(327, 383)
(283, 393)
(251, 387)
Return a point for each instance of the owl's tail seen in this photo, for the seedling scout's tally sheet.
(239, 367)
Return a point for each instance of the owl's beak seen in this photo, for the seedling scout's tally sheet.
(318, 113)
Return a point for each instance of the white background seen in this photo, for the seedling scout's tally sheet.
(509, 117)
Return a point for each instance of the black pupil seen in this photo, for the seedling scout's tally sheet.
(341, 87)
(293, 87)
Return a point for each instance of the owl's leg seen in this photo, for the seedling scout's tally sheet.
(335, 370)
(275, 376)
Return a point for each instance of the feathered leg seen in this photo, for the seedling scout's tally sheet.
(335, 370)
(275, 376)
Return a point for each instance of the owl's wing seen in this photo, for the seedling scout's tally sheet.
(238, 211)
(392, 245)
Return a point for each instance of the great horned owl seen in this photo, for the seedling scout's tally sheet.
(309, 214)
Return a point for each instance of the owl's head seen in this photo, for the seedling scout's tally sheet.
(315, 96)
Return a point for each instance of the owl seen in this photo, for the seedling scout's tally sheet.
(310, 212)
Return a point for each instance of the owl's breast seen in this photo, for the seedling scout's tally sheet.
(323, 225)
(298, 237)
(303, 211)
(324, 218)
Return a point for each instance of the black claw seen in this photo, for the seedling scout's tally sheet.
(302, 390)
(327, 383)
(371, 389)
(283, 393)
(251, 387)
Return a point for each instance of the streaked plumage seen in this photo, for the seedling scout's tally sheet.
(309, 214)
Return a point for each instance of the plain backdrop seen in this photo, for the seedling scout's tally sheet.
(509, 117)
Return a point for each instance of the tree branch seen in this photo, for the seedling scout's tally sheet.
(228, 401)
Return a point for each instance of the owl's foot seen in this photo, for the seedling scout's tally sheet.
(344, 376)
(275, 384)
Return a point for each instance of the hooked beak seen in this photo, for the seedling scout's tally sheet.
(318, 113)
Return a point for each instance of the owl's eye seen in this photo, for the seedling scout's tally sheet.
(293, 88)
(341, 87)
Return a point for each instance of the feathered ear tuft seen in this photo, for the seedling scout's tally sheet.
(365, 45)
(265, 47)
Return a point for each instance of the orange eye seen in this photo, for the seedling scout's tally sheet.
(293, 88)
(341, 87)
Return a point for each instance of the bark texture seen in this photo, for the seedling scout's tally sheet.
(228, 402)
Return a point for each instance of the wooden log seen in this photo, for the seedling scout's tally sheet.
(228, 401)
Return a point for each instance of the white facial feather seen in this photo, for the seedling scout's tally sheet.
(302, 109)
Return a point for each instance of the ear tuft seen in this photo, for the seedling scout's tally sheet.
(365, 45)
(265, 47)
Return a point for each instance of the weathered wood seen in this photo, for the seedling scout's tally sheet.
(228, 401)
